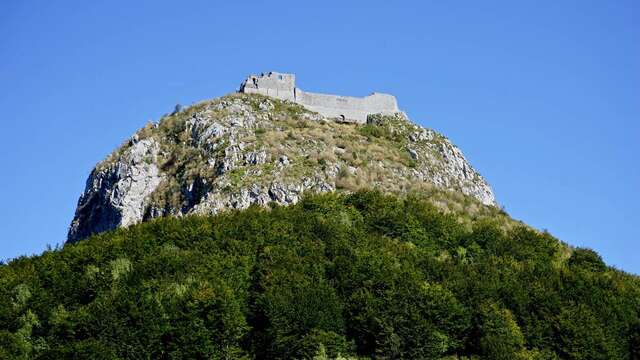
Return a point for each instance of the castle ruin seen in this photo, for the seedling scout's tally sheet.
(343, 108)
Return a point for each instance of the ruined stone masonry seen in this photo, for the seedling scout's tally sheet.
(344, 108)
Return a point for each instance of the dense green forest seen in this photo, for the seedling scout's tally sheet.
(351, 276)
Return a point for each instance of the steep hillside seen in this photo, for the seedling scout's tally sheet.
(242, 149)
(364, 275)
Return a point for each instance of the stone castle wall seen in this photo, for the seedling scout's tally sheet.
(281, 86)
(344, 108)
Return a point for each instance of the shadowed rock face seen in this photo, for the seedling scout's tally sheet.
(245, 149)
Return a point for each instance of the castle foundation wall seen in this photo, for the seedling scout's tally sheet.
(347, 107)
(344, 108)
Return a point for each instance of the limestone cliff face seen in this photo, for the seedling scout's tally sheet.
(116, 195)
(245, 149)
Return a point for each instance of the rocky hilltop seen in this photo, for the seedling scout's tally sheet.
(244, 149)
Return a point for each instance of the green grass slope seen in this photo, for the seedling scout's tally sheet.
(352, 276)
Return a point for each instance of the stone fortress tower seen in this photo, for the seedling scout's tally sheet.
(343, 108)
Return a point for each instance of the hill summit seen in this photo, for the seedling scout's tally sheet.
(269, 143)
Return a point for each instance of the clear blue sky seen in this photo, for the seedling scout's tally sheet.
(543, 97)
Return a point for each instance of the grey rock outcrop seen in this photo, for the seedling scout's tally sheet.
(117, 194)
(246, 149)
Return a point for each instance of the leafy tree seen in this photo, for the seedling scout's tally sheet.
(581, 335)
(501, 337)
(587, 259)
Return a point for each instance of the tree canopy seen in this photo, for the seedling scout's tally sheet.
(361, 275)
